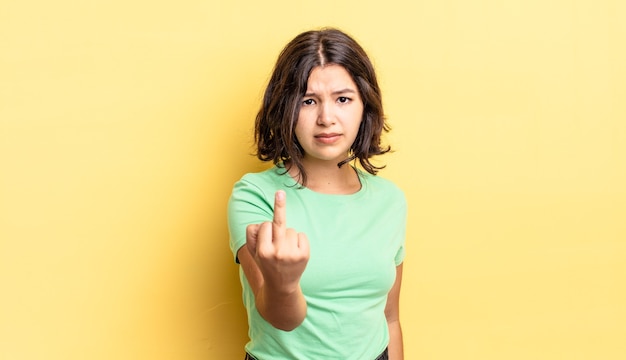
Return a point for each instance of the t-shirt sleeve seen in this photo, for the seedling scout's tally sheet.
(248, 204)
(401, 253)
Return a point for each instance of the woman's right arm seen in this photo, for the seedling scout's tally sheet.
(273, 261)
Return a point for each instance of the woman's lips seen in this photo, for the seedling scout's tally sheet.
(327, 138)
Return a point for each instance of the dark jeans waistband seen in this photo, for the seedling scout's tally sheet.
(383, 356)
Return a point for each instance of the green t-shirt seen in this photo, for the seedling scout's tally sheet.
(356, 242)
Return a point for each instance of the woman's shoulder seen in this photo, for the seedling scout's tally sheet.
(380, 182)
(271, 178)
(383, 189)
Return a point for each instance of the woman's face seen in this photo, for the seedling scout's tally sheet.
(330, 115)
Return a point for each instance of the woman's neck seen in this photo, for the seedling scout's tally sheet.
(328, 178)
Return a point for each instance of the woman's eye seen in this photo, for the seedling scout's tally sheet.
(343, 99)
(308, 102)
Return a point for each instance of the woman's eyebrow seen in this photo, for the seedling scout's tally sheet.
(344, 91)
(336, 92)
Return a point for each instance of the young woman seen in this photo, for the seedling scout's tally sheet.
(320, 241)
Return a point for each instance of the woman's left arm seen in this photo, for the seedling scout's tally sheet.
(392, 313)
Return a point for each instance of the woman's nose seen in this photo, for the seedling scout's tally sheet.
(325, 116)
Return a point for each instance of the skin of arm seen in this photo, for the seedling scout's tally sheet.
(392, 313)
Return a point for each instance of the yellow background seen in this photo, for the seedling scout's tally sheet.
(124, 124)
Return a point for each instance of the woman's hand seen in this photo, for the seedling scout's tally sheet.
(281, 253)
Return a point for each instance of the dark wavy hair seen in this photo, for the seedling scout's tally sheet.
(275, 123)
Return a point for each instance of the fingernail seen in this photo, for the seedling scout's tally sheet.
(280, 195)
